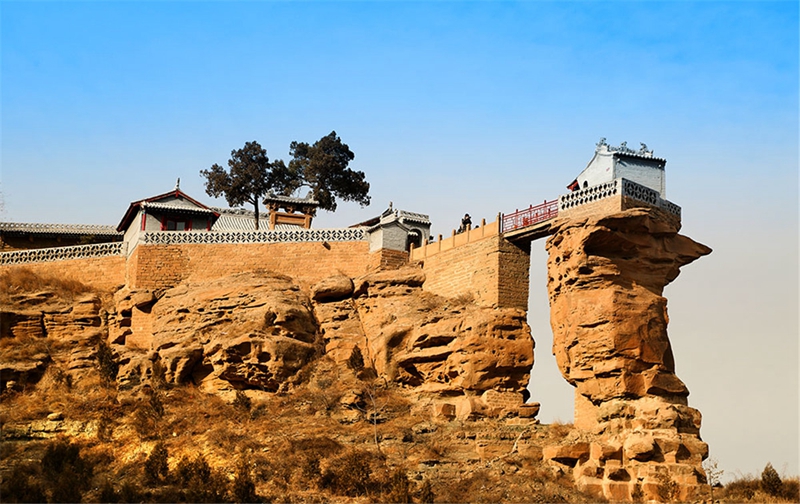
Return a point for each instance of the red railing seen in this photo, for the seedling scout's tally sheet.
(530, 216)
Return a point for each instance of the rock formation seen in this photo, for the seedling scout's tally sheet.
(466, 360)
(245, 331)
(256, 331)
(606, 276)
(44, 326)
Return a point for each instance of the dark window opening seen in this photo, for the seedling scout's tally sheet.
(414, 238)
(176, 224)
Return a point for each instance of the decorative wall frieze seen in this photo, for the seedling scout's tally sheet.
(614, 187)
(276, 236)
(62, 253)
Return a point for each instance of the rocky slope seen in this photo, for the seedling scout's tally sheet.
(251, 368)
(609, 320)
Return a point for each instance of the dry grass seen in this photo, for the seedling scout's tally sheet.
(750, 488)
(295, 447)
(559, 429)
(18, 281)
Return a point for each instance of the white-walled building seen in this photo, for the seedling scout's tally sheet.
(609, 163)
(397, 230)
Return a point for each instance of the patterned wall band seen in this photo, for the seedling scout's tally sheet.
(589, 194)
(622, 186)
(298, 235)
(62, 253)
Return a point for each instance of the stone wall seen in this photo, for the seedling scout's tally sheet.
(157, 266)
(492, 270)
(102, 273)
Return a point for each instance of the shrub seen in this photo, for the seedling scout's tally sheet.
(770, 481)
(22, 485)
(791, 490)
(426, 495)
(242, 402)
(349, 474)
(106, 363)
(242, 487)
(398, 488)
(159, 378)
(66, 472)
(146, 417)
(199, 482)
(156, 469)
(356, 360)
(742, 489)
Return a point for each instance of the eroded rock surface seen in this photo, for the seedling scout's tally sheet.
(609, 319)
(245, 331)
(445, 351)
(48, 328)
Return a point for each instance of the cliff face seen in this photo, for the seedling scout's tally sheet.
(256, 331)
(606, 276)
(464, 359)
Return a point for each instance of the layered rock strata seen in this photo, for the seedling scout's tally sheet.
(606, 277)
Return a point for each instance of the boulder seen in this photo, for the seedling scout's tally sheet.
(332, 289)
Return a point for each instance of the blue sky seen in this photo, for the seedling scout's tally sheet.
(453, 107)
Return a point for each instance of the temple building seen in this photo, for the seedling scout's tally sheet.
(397, 230)
(609, 163)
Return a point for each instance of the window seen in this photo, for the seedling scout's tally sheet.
(172, 223)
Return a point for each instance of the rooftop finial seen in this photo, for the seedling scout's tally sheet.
(178, 184)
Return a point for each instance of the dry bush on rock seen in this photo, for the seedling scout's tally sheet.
(22, 280)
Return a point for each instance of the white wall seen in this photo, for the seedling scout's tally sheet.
(644, 172)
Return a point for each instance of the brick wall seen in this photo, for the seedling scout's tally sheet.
(492, 270)
(455, 240)
(101, 273)
(307, 262)
(388, 259)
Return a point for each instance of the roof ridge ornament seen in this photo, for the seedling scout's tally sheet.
(178, 184)
(624, 149)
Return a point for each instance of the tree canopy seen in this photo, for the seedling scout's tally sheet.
(323, 167)
(251, 177)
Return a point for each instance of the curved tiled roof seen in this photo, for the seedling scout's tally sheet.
(278, 198)
(238, 222)
(177, 201)
(176, 205)
(62, 229)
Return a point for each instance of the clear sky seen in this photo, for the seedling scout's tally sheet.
(453, 107)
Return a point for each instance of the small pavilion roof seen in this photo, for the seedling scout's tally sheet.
(182, 203)
(291, 200)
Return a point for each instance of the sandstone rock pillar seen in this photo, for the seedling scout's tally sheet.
(606, 276)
